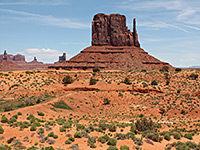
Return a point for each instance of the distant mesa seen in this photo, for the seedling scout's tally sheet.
(114, 47)
(17, 57)
(62, 58)
(18, 62)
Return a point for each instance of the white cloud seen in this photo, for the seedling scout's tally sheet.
(45, 55)
(46, 20)
(159, 25)
(34, 2)
(182, 12)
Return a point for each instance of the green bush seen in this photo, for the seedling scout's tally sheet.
(93, 81)
(152, 135)
(127, 81)
(62, 129)
(193, 76)
(112, 148)
(112, 128)
(68, 142)
(106, 101)
(67, 80)
(40, 113)
(78, 135)
(177, 136)
(33, 128)
(4, 119)
(124, 147)
(143, 124)
(5, 147)
(178, 69)
(188, 136)
(112, 142)
(80, 127)
(96, 69)
(103, 139)
(1, 130)
(154, 82)
(167, 137)
(165, 68)
(71, 139)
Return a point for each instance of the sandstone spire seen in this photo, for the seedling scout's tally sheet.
(135, 35)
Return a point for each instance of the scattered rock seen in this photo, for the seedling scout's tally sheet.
(149, 141)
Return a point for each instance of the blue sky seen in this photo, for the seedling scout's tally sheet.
(168, 29)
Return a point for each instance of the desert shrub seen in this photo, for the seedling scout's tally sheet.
(127, 81)
(162, 111)
(67, 125)
(33, 128)
(106, 101)
(60, 121)
(167, 137)
(32, 148)
(91, 141)
(51, 134)
(78, 135)
(10, 140)
(40, 130)
(80, 127)
(62, 129)
(48, 148)
(152, 135)
(62, 105)
(178, 69)
(103, 125)
(188, 136)
(68, 142)
(67, 80)
(71, 139)
(154, 82)
(193, 76)
(177, 136)
(112, 142)
(143, 124)
(15, 85)
(5, 147)
(183, 112)
(103, 139)
(124, 147)
(93, 81)
(185, 146)
(1, 130)
(19, 113)
(112, 128)
(143, 70)
(4, 119)
(165, 68)
(40, 113)
(112, 148)
(96, 69)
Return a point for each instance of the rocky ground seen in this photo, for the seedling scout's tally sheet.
(146, 109)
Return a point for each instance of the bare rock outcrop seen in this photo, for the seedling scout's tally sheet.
(111, 30)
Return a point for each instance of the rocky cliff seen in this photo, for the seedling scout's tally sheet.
(111, 30)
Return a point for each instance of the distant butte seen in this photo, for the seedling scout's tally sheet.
(114, 47)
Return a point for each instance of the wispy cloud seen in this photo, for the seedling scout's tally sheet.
(173, 11)
(46, 20)
(34, 2)
(158, 25)
(46, 55)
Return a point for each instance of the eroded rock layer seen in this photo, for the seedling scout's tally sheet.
(112, 58)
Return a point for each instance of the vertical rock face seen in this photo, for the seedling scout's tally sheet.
(19, 57)
(62, 58)
(111, 30)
